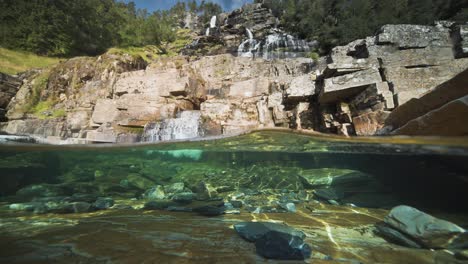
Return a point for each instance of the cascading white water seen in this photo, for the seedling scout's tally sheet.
(212, 25)
(249, 46)
(213, 22)
(278, 45)
(185, 126)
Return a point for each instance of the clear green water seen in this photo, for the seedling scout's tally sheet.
(269, 168)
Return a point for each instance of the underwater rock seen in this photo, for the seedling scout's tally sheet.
(175, 187)
(329, 194)
(210, 210)
(290, 207)
(252, 231)
(155, 193)
(314, 178)
(159, 205)
(236, 204)
(463, 254)
(41, 190)
(425, 229)
(138, 181)
(395, 236)
(179, 209)
(205, 191)
(23, 206)
(103, 203)
(184, 198)
(283, 246)
(68, 208)
(81, 197)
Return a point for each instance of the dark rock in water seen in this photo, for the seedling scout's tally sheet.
(283, 246)
(184, 197)
(236, 204)
(103, 203)
(463, 254)
(155, 193)
(179, 209)
(395, 236)
(23, 206)
(252, 231)
(291, 207)
(159, 205)
(177, 187)
(81, 197)
(210, 210)
(67, 208)
(205, 191)
(41, 190)
(329, 194)
(425, 229)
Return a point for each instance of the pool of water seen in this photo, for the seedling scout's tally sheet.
(335, 190)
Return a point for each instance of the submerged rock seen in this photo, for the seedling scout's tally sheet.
(138, 181)
(155, 193)
(210, 210)
(314, 178)
(329, 194)
(275, 241)
(159, 205)
(67, 208)
(103, 203)
(252, 231)
(41, 190)
(175, 187)
(205, 191)
(424, 229)
(284, 246)
(184, 197)
(395, 236)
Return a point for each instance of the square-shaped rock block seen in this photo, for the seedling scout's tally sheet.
(250, 88)
(414, 36)
(105, 111)
(346, 86)
(300, 88)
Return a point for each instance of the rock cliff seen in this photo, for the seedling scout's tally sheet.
(120, 98)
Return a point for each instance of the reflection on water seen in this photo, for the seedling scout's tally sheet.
(335, 190)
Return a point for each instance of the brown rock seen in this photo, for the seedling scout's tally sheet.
(449, 120)
(367, 124)
(441, 95)
(346, 86)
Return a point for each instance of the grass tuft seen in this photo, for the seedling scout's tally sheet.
(13, 62)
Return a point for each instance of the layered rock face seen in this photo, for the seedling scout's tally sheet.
(366, 79)
(120, 98)
(170, 99)
(9, 86)
(443, 111)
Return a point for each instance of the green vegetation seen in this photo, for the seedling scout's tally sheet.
(130, 130)
(337, 22)
(39, 84)
(13, 62)
(90, 27)
(147, 52)
(314, 56)
(44, 110)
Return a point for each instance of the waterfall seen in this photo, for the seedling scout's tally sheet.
(213, 22)
(249, 46)
(249, 34)
(274, 46)
(185, 126)
(212, 25)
